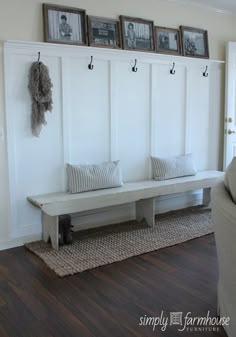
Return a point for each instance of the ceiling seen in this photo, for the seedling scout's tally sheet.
(228, 6)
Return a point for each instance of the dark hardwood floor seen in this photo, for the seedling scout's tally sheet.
(110, 300)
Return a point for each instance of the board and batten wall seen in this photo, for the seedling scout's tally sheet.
(221, 28)
(109, 113)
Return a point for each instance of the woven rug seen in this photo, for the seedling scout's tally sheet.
(97, 247)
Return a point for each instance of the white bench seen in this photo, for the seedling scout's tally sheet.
(142, 193)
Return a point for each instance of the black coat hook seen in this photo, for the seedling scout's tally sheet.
(205, 73)
(38, 56)
(90, 66)
(172, 71)
(134, 68)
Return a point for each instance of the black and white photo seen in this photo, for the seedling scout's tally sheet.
(64, 24)
(194, 42)
(137, 34)
(103, 32)
(167, 40)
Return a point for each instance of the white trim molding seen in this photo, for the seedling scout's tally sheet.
(57, 50)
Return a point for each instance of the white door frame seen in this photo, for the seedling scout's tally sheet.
(230, 104)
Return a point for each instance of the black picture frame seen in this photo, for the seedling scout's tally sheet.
(135, 37)
(194, 42)
(168, 40)
(65, 25)
(103, 32)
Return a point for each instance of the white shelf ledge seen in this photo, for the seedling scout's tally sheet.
(104, 53)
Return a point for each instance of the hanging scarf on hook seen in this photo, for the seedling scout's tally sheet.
(40, 87)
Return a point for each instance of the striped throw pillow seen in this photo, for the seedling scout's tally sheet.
(173, 167)
(83, 178)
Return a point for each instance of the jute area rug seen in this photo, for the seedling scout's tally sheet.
(97, 247)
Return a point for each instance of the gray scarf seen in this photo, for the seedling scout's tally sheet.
(40, 87)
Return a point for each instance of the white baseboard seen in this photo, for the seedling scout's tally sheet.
(109, 215)
(20, 241)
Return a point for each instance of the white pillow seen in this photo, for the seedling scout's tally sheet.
(230, 179)
(83, 178)
(173, 167)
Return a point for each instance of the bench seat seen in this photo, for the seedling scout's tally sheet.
(142, 192)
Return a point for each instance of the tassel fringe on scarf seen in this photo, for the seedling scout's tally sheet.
(40, 87)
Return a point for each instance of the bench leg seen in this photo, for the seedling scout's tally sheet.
(50, 229)
(145, 209)
(206, 196)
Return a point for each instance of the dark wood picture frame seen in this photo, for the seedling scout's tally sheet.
(189, 47)
(134, 42)
(58, 30)
(164, 43)
(106, 32)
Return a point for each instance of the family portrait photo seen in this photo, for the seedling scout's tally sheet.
(103, 32)
(137, 34)
(64, 25)
(168, 40)
(195, 42)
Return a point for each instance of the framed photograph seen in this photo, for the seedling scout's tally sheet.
(194, 42)
(64, 24)
(167, 40)
(103, 32)
(137, 34)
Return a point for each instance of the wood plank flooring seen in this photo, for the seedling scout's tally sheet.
(108, 301)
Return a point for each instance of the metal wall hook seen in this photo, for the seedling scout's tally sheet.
(205, 73)
(172, 71)
(90, 66)
(38, 56)
(134, 68)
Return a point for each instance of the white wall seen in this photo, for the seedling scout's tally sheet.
(109, 113)
(23, 20)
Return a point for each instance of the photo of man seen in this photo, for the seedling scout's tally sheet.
(65, 29)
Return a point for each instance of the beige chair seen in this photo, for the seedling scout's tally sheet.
(224, 218)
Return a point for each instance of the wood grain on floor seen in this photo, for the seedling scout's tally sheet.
(108, 301)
